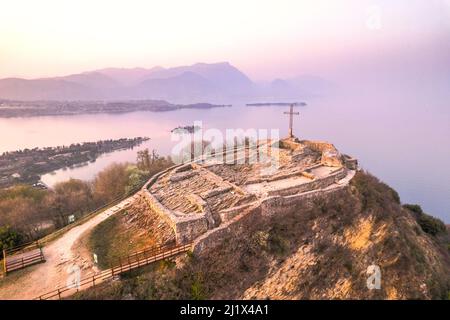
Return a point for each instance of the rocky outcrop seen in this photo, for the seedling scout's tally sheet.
(330, 155)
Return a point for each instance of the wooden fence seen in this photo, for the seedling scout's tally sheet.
(131, 262)
(23, 256)
(37, 256)
(52, 236)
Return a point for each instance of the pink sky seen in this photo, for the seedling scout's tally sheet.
(265, 39)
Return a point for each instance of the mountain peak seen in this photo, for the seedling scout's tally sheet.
(214, 82)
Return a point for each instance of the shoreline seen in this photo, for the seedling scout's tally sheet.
(29, 165)
(27, 109)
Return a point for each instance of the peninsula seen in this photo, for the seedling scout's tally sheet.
(26, 166)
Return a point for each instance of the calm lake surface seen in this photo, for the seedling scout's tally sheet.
(403, 141)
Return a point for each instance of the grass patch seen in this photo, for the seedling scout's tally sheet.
(111, 240)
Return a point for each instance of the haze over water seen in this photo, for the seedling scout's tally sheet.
(401, 139)
(389, 60)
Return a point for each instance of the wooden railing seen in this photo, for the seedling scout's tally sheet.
(28, 260)
(131, 262)
(25, 261)
(22, 256)
(52, 236)
(23, 247)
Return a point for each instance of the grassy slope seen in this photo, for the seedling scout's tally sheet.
(115, 238)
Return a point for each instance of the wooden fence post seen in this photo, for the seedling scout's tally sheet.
(5, 266)
(42, 254)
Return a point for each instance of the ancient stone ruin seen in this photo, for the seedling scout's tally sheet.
(199, 200)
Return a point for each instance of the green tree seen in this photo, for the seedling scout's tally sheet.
(9, 238)
(110, 183)
(73, 197)
(143, 160)
(136, 178)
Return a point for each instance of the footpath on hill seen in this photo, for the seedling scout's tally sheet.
(63, 256)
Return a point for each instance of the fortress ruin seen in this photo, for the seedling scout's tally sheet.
(200, 200)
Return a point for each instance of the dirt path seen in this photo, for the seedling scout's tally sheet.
(63, 257)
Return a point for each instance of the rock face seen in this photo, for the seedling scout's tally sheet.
(330, 155)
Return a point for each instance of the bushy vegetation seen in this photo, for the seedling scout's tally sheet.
(431, 225)
(428, 224)
(31, 213)
(415, 208)
(373, 192)
(8, 239)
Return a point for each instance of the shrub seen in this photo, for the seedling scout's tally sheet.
(374, 193)
(431, 225)
(414, 208)
(278, 244)
(427, 223)
(197, 291)
(9, 238)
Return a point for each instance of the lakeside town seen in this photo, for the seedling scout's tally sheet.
(26, 166)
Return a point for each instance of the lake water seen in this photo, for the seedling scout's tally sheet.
(403, 141)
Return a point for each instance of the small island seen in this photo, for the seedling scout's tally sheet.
(26, 166)
(185, 129)
(278, 104)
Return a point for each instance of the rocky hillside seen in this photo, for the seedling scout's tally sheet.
(320, 250)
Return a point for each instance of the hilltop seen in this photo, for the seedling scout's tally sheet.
(313, 229)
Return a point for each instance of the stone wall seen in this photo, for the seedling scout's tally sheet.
(315, 184)
(207, 230)
(190, 228)
(350, 162)
(228, 214)
(269, 206)
(185, 226)
(330, 155)
(141, 215)
(215, 236)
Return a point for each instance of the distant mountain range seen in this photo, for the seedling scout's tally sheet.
(201, 82)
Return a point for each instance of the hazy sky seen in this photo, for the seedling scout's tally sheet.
(265, 39)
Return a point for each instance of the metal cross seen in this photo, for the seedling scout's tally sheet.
(291, 114)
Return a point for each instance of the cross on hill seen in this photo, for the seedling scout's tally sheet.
(291, 114)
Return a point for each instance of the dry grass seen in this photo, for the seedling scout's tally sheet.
(114, 239)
